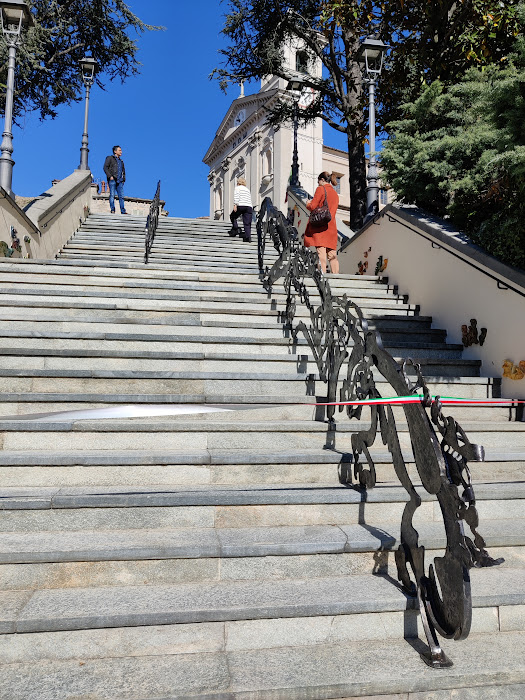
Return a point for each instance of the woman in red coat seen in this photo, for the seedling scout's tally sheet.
(324, 237)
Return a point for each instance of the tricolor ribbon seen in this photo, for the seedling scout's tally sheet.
(174, 409)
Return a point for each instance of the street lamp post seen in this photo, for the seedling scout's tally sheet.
(14, 16)
(371, 56)
(89, 67)
(294, 86)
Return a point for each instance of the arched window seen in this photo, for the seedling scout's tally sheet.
(301, 61)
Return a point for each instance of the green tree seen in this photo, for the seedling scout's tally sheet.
(65, 30)
(460, 153)
(430, 39)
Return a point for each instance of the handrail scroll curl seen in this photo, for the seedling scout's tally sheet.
(351, 361)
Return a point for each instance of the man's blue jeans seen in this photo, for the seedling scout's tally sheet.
(116, 189)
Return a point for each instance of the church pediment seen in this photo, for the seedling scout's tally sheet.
(241, 115)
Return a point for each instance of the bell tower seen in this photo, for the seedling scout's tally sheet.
(297, 59)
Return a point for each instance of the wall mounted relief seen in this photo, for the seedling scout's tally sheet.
(5, 250)
(362, 267)
(512, 371)
(470, 335)
(381, 265)
(16, 241)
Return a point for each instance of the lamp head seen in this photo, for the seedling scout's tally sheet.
(295, 84)
(89, 68)
(14, 16)
(371, 55)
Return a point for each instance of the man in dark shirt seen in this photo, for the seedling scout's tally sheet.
(116, 175)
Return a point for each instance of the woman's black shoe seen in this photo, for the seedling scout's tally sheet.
(232, 232)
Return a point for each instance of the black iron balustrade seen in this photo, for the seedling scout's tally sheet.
(152, 223)
(337, 332)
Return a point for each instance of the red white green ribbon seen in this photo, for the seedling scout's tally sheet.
(417, 398)
(174, 409)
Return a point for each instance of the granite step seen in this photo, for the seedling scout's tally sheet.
(156, 279)
(197, 310)
(123, 264)
(234, 297)
(239, 432)
(216, 385)
(208, 358)
(234, 291)
(198, 662)
(180, 252)
(274, 408)
(52, 339)
(166, 571)
(237, 467)
(197, 543)
(208, 266)
(127, 271)
(140, 320)
(179, 435)
(36, 509)
(218, 244)
(49, 610)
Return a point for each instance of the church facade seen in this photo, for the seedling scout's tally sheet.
(245, 145)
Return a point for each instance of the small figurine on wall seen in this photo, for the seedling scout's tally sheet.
(16, 241)
(470, 334)
(362, 267)
(512, 371)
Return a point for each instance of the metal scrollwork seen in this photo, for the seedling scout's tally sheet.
(352, 360)
(152, 223)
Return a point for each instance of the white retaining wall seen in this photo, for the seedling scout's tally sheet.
(452, 280)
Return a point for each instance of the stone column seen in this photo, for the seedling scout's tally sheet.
(227, 193)
(211, 180)
(255, 168)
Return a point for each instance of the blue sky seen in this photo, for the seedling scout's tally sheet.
(164, 119)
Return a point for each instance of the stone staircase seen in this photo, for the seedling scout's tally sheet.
(216, 556)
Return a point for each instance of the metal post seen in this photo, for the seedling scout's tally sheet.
(372, 190)
(294, 180)
(84, 150)
(6, 161)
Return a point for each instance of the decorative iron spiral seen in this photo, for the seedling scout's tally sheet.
(339, 336)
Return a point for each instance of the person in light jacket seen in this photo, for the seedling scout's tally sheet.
(324, 237)
(242, 206)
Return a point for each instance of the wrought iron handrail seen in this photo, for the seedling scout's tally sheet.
(152, 223)
(337, 332)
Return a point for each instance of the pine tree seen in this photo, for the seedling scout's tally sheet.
(460, 153)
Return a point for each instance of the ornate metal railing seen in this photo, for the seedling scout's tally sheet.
(337, 332)
(152, 223)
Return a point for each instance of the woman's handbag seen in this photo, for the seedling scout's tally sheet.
(321, 215)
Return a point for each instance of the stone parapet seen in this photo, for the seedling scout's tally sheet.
(136, 206)
(17, 232)
(42, 229)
